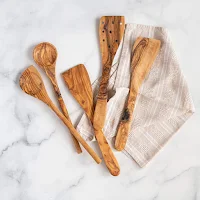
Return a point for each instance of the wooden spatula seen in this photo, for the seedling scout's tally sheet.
(78, 82)
(111, 30)
(144, 53)
(31, 83)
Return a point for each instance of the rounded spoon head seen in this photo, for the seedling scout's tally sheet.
(32, 84)
(45, 55)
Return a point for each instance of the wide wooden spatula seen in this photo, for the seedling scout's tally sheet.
(31, 83)
(111, 30)
(144, 53)
(78, 82)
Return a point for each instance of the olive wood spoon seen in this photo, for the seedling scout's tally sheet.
(111, 30)
(144, 53)
(32, 84)
(78, 82)
(45, 55)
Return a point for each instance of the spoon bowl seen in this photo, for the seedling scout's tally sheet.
(45, 55)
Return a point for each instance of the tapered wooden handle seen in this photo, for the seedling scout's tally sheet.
(144, 53)
(75, 133)
(65, 112)
(98, 124)
(51, 74)
(123, 130)
(100, 114)
(109, 158)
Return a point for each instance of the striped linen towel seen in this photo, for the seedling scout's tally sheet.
(162, 105)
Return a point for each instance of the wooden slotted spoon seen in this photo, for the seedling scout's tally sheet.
(111, 30)
(45, 55)
(144, 53)
(32, 84)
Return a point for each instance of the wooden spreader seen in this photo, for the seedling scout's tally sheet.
(144, 53)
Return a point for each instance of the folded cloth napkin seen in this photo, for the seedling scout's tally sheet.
(162, 105)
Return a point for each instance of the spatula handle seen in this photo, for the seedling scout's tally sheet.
(124, 126)
(101, 103)
(127, 116)
(98, 124)
(109, 158)
(102, 94)
(75, 133)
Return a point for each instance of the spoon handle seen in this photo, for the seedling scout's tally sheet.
(65, 112)
(75, 133)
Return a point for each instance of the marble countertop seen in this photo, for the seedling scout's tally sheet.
(37, 157)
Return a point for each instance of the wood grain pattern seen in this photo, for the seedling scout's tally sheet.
(111, 30)
(78, 82)
(144, 53)
(45, 55)
(31, 83)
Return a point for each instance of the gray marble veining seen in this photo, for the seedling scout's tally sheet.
(37, 158)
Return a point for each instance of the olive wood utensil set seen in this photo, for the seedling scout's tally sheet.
(111, 30)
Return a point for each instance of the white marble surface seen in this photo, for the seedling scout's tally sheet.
(37, 158)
